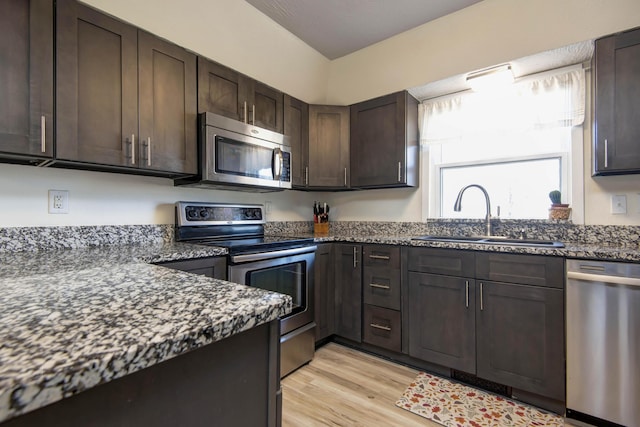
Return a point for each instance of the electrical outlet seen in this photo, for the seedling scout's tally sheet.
(58, 201)
(619, 204)
(268, 206)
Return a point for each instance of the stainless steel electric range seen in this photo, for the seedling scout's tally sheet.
(281, 264)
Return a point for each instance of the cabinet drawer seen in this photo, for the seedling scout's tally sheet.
(448, 262)
(381, 256)
(533, 270)
(381, 287)
(382, 327)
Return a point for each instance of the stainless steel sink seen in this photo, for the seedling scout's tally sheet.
(492, 240)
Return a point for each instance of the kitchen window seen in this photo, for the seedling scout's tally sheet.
(519, 143)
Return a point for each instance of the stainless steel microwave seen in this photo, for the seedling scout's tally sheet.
(236, 154)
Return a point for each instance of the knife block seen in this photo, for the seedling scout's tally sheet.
(321, 229)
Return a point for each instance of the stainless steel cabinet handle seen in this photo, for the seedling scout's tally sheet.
(355, 257)
(149, 151)
(380, 257)
(606, 153)
(253, 115)
(466, 291)
(378, 286)
(43, 134)
(384, 328)
(399, 171)
(481, 302)
(345, 177)
(306, 175)
(245, 116)
(133, 149)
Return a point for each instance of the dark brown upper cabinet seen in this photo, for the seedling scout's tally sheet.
(26, 79)
(167, 103)
(296, 127)
(384, 142)
(224, 91)
(327, 165)
(616, 136)
(125, 98)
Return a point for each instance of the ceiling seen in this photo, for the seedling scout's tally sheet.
(336, 28)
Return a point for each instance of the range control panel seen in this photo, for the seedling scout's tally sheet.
(200, 213)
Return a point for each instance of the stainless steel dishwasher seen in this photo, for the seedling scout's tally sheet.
(603, 341)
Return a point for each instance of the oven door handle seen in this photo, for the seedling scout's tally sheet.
(272, 254)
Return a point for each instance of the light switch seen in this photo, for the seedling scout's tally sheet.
(619, 204)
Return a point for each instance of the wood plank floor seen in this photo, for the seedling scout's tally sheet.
(345, 387)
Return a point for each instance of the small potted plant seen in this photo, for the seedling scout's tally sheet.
(558, 210)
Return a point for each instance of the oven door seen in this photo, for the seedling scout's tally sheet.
(286, 271)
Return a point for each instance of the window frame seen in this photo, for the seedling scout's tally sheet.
(435, 210)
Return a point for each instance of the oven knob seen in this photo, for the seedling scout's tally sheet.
(191, 213)
(204, 214)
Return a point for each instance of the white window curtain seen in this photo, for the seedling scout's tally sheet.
(547, 100)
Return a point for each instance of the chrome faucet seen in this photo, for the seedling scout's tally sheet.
(458, 205)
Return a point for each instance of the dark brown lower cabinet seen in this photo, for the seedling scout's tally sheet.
(215, 267)
(382, 327)
(520, 337)
(324, 291)
(442, 320)
(234, 382)
(348, 291)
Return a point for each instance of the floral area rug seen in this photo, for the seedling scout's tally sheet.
(455, 405)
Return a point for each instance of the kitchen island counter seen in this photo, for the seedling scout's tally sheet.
(74, 319)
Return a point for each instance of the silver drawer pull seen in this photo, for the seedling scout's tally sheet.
(384, 328)
(43, 134)
(384, 257)
(376, 285)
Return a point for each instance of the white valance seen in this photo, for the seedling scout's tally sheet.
(552, 99)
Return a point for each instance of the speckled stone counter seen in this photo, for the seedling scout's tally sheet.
(73, 319)
(571, 250)
(596, 242)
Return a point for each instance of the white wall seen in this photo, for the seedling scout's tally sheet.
(488, 33)
(234, 33)
(99, 198)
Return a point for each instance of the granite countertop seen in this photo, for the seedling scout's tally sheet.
(600, 252)
(73, 319)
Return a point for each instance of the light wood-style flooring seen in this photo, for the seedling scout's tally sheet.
(345, 387)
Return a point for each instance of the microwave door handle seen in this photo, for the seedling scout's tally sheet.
(277, 164)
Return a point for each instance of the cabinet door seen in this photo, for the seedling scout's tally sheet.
(324, 291)
(97, 87)
(348, 292)
(384, 142)
(167, 93)
(267, 107)
(26, 77)
(328, 146)
(220, 90)
(520, 337)
(442, 320)
(617, 99)
(296, 127)
(214, 267)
